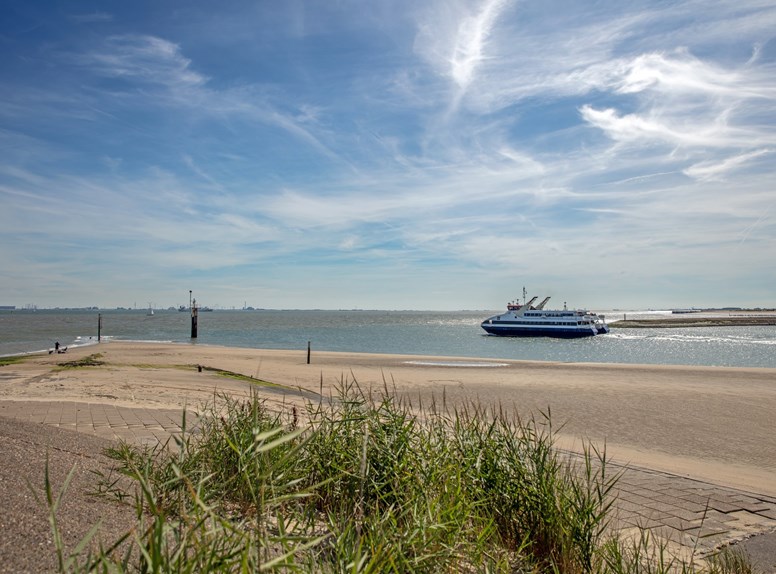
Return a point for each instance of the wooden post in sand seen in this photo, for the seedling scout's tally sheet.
(308, 352)
(99, 326)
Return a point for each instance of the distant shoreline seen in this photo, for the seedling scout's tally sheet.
(741, 321)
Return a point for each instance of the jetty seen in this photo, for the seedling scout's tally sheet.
(752, 320)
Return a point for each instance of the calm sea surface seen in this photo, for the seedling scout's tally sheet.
(405, 332)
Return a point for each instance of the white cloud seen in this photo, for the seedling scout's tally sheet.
(453, 38)
(683, 101)
(683, 74)
(143, 58)
(349, 243)
(717, 170)
(470, 41)
(160, 63)
(633, 127)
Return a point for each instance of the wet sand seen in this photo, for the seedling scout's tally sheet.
(710, 423)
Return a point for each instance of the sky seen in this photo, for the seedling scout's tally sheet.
(388, 154)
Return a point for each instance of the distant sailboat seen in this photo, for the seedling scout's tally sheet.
(150, 310)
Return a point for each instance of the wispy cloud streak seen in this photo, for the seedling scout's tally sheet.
(142, 58)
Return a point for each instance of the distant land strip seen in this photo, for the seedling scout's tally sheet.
(740, 321)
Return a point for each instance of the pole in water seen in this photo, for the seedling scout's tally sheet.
(194, 319)
(99, 326)
(308, 352)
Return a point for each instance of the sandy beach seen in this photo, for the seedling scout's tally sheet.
(710, 423)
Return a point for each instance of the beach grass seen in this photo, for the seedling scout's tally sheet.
(364, 483)
(93, 360)
(238, 376)
(12, 360)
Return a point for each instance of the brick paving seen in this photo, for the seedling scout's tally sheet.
(692, 514)
(131, 424)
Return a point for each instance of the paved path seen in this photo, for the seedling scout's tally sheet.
(689, 513)
(132, 424)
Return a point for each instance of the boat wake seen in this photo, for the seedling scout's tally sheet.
(694, 339)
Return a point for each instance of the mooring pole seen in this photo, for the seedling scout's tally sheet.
(194, 319)
(308, 352)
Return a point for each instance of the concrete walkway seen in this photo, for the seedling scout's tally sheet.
(694, 515)
(131, 424)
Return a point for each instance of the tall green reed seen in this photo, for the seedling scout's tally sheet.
(367, 484)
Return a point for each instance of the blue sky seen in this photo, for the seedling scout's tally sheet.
(388, 154)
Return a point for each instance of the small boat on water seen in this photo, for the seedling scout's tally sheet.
(527, 320)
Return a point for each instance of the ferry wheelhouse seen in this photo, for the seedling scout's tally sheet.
(527, 320)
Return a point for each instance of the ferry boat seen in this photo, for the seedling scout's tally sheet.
(527, 320)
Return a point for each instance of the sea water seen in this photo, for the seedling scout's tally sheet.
(447, 333)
